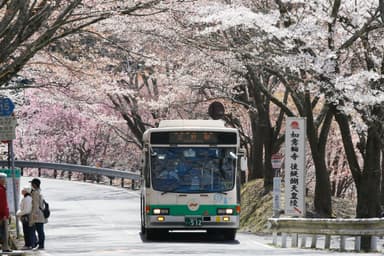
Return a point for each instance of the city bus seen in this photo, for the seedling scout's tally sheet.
(191, 178)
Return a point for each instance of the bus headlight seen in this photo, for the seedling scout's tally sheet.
(224, 211)
(160, 211)
(226, 218)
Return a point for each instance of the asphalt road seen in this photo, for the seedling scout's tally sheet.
(90, 219)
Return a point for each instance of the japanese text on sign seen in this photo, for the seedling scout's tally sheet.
(7, 127)
(295, 166)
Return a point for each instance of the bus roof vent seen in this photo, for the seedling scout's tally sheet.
(191, 123)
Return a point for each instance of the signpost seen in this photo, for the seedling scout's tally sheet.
(7, 133)
(276, 165)
(295, 166)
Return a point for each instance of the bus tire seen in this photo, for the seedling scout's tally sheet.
(142, 217)
(143, 229)
(149, 233)
(229, 234)
(155, 233)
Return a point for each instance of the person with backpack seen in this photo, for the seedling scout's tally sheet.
(37, 219)
(24, 214)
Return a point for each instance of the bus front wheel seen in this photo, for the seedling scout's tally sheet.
(143, 229)
(154, 233)
(229, 234)
(149, 234)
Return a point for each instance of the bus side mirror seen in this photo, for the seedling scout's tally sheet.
(243, 163)
(243, 160)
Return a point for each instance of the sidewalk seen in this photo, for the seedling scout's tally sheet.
(15, 243)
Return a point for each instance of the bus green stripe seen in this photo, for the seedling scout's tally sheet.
(181, 210)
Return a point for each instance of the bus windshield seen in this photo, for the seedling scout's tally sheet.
(193, 169)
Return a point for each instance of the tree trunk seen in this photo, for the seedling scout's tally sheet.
(256, 168)
(322, 200)
(268, 170)
(367, 181)
(382, 180)
(368, 196)
(342, 121)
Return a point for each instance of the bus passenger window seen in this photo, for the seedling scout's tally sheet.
(147, 172)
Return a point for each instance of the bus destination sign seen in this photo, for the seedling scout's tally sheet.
(193, 137)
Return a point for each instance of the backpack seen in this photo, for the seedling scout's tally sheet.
(45, 210)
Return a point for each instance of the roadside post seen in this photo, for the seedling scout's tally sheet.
(7, 134)
(276, 165)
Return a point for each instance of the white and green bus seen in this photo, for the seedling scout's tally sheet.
(191, 178)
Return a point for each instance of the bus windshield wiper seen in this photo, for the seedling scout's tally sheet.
(169, 191)
(217, 192)
(195, 192)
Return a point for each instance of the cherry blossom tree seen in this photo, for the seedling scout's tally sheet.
(57, 128)
(244, 48)
(269, 59)
(28, 26)
(307, 47)
(100, 67)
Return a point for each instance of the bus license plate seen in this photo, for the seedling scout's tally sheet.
(193, 221)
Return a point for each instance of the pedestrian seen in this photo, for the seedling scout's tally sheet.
(37, 219)
(4, 213)
(24, 214)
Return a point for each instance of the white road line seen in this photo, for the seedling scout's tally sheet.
(251, 238)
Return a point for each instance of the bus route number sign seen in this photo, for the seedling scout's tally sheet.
(6, 106)
(193, 221)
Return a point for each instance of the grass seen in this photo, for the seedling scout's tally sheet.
(256, 207)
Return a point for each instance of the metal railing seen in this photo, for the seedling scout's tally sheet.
(373, 227)
(98, 171)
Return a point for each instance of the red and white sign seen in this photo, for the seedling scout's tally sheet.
(276, 161)
(295, 166)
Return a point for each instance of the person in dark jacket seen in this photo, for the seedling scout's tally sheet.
(4, 213)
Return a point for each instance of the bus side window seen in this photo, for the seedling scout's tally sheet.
(147, 179)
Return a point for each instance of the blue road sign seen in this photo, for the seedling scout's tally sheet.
(6, 106)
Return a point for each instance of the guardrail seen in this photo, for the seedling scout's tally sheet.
(110, 173)
(373, 227)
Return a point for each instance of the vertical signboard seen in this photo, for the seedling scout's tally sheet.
(276, 165)
(7, 128)
(295, 166)
(12, 197)
(276, 196)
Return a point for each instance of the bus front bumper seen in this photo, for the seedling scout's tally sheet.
(193, 222)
